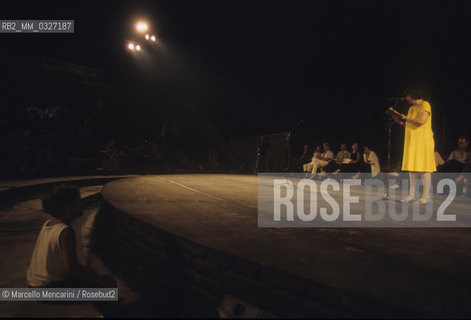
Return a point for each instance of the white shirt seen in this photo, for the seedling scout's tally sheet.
(47, 264)
(375, 168)
(342, 155)
(328, 154)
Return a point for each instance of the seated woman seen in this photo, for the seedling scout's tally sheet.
(370, 162)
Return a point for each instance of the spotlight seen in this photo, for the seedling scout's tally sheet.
(131, 46)
(147, 36)
(141, 26)
(138, 47)
(153, 38)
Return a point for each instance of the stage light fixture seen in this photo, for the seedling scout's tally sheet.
(153, 38)
(138, 47)
(141, 26)
(147, 36)
(131, 46)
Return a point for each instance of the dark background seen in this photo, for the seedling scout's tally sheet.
(261, 67)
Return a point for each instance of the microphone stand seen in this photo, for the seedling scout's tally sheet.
(389, 124)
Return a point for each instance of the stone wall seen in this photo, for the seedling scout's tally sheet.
(187, 279)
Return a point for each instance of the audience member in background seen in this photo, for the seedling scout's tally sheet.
(458, 159)
(334, 165)
(370, 162)
(320, 161)
(299, 163)
(54, 262)
(352, 163)
(342, 154)
(307, 167)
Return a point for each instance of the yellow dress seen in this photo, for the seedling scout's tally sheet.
(419, 146)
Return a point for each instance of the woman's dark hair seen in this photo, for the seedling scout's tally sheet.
(415, 93)
(55, 201)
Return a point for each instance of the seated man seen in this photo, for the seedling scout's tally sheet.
(321, 160)
(54, 262)
(334, 165)
(307, 167)
(458, 159)
(342, 154)
(299, 163)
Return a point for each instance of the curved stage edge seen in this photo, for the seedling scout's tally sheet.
(191, 242)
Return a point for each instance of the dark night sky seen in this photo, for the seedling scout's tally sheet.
(259, 66)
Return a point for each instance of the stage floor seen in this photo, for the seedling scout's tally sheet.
(422, 268)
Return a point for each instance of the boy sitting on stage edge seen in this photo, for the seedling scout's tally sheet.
(54, 262)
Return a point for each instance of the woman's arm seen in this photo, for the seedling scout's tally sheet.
(419, 120)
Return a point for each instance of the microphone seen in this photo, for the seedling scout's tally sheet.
(397, 99)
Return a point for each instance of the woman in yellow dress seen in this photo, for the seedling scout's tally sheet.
(419, 146)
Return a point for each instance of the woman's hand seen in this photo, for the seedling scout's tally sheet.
(398, 120)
